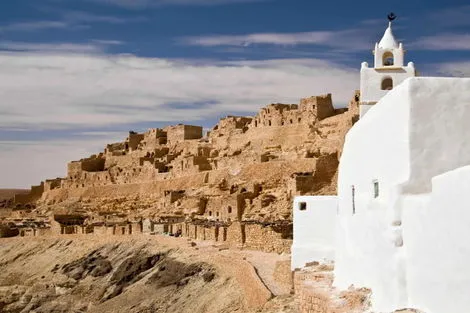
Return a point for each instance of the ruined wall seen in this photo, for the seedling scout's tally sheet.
(231, 125)
(277, 115)
(264, 238)
(134, 140)
(31, 197)
(93, 164)
(301, 184)
(51, 184)
(315, 293)
(115, 149)
(223, 208)
(181, 132)
(317, 107)
(152, 138)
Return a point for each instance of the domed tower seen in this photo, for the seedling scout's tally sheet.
(388, 70)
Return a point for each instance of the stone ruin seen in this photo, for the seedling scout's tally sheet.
(235, 183)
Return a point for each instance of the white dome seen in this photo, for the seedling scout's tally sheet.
(388, 40)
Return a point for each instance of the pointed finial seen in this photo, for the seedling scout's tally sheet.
(391, 17)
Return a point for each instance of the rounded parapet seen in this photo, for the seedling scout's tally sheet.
(364, 65)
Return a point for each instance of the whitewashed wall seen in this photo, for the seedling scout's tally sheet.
(314, 230)
(440, 128)
(376, 148)
(371, 80)
(418, 130)
(437, 245)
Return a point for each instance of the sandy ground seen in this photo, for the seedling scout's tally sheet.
(86, 273)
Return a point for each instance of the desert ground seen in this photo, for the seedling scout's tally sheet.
(138, 274)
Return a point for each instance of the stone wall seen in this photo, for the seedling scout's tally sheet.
(152, 138)
(51, 184)
(230, 125)
(182, 132)
(264, 238)
(320, 107)
(35, 194)
(301, 184)
(249, 236)
(134, 140)
(313, 287)
(222, 208)
(277, 115)
(93, 164)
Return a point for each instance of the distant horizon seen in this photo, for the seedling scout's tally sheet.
(77, 74)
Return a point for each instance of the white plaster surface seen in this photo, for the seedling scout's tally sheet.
(388, 41)
(395, 243)
(314, 230)
(363, 108)
(436, 232)
(371, 80)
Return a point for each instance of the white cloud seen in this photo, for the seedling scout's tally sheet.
(78, 92)
(77, 17)
(70, 20)
(107, 42)
(453, 16)
(50, 47)
(261, 38)
(349, 40)
(459, 69)
(34, 26)
(65, 90)
(442, 42)
(136, 4)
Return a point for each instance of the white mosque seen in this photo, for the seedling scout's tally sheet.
(400, 224)
(388, 71)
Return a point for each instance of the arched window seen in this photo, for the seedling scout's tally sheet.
(387, 84)
(387, 59)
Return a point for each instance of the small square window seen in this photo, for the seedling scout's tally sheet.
(302, 206)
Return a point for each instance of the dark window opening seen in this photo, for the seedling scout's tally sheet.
(353, 191)
(388, 59)
(387, 84)
(376, 189)
(302, 206)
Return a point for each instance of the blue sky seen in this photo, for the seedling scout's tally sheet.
(77, 74)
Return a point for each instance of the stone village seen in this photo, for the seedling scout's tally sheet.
(225, 185)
